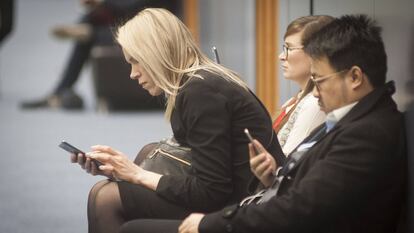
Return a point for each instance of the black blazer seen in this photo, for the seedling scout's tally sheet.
(210, 116)
(351, 180)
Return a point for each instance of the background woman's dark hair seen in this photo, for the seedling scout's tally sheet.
(308, 25)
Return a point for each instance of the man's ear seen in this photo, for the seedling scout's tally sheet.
(357, 77)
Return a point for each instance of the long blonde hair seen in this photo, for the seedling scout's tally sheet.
(165, 48)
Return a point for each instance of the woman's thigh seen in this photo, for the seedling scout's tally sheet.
(151, 226)
(141, 203)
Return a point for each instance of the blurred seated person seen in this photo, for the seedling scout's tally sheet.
(300, 114)
(6, 18)
(94, 28)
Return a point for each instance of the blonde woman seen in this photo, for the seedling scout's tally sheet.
(300, 114)
(208, 106)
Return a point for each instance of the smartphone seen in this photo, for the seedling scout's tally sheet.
(249, 136)
(71, 149)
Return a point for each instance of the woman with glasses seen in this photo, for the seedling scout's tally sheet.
(301, 113)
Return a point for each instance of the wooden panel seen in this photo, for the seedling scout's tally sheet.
(191, 17)
(266, 53)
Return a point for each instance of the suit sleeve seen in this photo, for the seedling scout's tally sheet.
(206, 117)
(351, 174)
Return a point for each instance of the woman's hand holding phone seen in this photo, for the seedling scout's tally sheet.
(104, 160)
(89, 165)
(78, 156)
(116, 163)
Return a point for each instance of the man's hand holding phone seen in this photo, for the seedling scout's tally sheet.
(262, 164)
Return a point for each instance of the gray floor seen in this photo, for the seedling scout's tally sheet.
(40, 191)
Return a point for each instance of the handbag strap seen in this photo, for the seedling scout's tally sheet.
(270, 118)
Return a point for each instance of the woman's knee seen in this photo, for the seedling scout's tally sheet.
(104, 192)
(97, 188)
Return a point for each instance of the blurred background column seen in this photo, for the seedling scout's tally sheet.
(191, 17)
(266, 53)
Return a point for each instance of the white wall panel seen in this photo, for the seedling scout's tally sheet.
(288, 11)
(397, 20)
(340, 7)
(230, 26)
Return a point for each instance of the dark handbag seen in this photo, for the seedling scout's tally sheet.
(166, 157)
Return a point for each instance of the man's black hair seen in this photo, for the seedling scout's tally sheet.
(351, 40)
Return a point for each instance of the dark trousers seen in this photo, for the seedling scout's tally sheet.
(6, 18)
(151, 226)
(101, 35)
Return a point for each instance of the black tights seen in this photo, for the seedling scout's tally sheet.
(105, 212)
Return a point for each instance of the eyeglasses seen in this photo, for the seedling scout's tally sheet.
(286, 49)
(317, 81)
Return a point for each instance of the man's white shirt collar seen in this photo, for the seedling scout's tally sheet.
(337, 114)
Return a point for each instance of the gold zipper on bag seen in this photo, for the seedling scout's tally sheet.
(170, 156)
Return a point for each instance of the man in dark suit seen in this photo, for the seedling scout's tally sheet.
(349, 174)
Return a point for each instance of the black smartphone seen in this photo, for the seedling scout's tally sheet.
(249, 136)
(71, 149)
